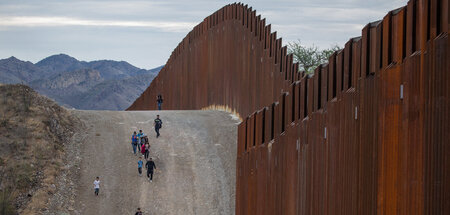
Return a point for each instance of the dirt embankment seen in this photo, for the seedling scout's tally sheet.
(35, 136)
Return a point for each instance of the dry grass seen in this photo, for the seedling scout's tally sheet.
(33, 131)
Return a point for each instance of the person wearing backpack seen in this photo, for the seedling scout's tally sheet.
(134, 141)
(158, 125)
(143, 142)
(140, 135)
(159, 100)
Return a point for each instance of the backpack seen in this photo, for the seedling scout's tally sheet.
(159, 123)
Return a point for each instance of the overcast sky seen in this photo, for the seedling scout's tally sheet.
(144, 33)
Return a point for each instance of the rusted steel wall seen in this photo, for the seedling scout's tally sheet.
(368, 133)
(230, 60)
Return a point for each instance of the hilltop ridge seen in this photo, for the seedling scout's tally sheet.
(76, 84)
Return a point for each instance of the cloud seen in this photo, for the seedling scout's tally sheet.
(145, 32)
(42, 21)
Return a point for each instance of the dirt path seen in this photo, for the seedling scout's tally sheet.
(195, 157)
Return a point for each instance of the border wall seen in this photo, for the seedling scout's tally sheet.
(368, 133)
(231, 60)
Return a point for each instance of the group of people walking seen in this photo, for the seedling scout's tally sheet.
(140, 141)
(140, 144)
(149, 165)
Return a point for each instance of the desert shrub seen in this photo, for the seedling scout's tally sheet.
(26, 103)
(3, 122)
(6, 206)
(46, 122)
(42, 153)
(22, 175)
(15, 146)
(58, 146)
(18, 146)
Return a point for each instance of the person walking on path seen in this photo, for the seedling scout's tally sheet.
(139, 136)
(150, 165)
(138, 212)
(97, 186)
(143, 148)
(158, 125)
(159, 100)
(147, 150)
(134, 141)
(140, 164)
(144, 141)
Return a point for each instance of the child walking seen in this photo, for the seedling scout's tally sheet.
(140, 164)
(96, 185)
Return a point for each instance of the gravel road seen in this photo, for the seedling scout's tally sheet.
(195, 159)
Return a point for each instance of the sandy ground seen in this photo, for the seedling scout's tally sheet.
(195, 159)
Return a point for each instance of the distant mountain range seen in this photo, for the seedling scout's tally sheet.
(95, 85)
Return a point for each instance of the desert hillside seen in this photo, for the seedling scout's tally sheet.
(35, 137)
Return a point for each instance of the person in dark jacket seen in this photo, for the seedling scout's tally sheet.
(158, 125)
(150, 165)
(159, 100)
(147, 150)
(138, 212)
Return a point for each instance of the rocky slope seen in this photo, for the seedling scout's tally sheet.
(79, 79)
(13, 70)
(100, 85)
(35, 135)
